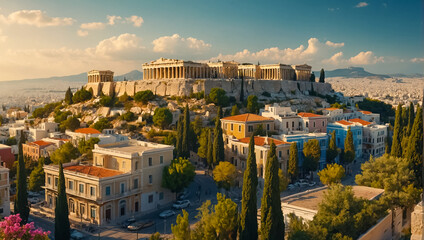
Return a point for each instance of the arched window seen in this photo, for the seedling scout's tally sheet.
(122, 206)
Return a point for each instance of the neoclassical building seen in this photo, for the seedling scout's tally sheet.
(95, 76)
(179, 69)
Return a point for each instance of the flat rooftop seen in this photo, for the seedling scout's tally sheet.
(130, 147)
(312, 198)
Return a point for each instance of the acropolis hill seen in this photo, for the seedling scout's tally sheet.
(171, 77)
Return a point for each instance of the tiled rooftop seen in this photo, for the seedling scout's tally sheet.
(40, 143)
(260, 141)
(308, 115)
(247, 117)
(360, 121)
(93, 171)
(87, 131)
(344, 122)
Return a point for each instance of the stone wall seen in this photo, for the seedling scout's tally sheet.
(181, 87)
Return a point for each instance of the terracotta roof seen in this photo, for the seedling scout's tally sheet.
(344, 122)
(366, 112)
(308, 115)
(87, 131)
(260, 141)
(93, 171)
(360, 121)
(40, 143)
(331, 109)
(61, 139)
(247, 117)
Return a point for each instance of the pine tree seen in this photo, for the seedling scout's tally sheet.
(186, 133)
(293, 162)
(332, 148)
(218, 141)
(180, 129)
(414, 152)
(322, 76)
(272, 221)
(349, 148)
(397, 140)
(61, 223)
(242, 89)
(248, 216)
(68, 96)
(209, 156)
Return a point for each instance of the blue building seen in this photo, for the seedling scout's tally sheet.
(341, 128)
(302, 138)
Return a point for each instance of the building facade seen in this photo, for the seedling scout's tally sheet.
(124, 181)
(95, 76)
(244, 125)
(6, 156)
(313, 123)
(37, 149)
(285, 120)
(4, 192)
(341, 128)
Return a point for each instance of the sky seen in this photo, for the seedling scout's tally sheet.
(44, 38)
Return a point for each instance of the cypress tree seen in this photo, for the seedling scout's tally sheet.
(186, 133)
(397, 138)
(209, 156)
(218, 141)
(272, 222)
(349, 148)
(21, 199)
(242, 89)
(61, 223)
(387, 145)
(322, 76)
(179, 143)
(68, 96)
(312, 77)
(411, 118)
(248, 216)
(293, 162)
(332, 148)
(414, 152)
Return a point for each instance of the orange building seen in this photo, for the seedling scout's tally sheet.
(37, 149)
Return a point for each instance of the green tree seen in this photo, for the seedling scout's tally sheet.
(144, 96)
(283, 180)
(248, 229)
(397, 135)
(272, 222)
(219, 97)
(68, 96)
(293, 162)
(297, 228)
(312, 153)
(81, 95)
(11, 141)
(124, 98)
(71, 123)
(312, 78)
(186, 133)
(235, 110)
(178, 175)
(155, 236)
(322, 76)
(332, 151)
(349, 148)
(21, 198)
(37, 177)
(252, 104)
(106, 101)
(86, 147)
(197, 126)
(394, 176)
(202, 151)
(162, 117)
(181, 230)
(218, 141)
(224, 175)
(62, 228)
(333, 173)
(60, 116)
(180, 130)
(102, 124)
(128, 116)
(414, 152)
(209, 157)
(64, 153)
(411, 118)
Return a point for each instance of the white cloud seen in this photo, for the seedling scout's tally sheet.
(417, 60)
(82, 33)
(361, 4)
(177, 45)
(35, 18)
(336, 45)
(336, 59)
(136, 20)
(365, 58)
(112, 19)
(123, 46)
(92, 25)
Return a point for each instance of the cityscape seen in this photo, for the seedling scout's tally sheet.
(141, 121)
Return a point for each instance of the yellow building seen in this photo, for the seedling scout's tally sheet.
(123, 181)
(4, 192)
(244, 125)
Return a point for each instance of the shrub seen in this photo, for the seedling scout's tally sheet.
(144, 96)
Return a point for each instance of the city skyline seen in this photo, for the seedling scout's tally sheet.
(68, 38)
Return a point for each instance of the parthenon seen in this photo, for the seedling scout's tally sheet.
(100, 76)
(179, 69)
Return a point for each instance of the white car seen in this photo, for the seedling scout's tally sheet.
(76, 235)
(167, 214)
(181, 204)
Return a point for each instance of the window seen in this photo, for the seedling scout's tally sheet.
(49, 180)
(135, 183)
(150, 198)
(287, 124)
(161, 159)
(81, 188)
(239, 128)
(314, 124)
(122, 187)
(242, 165)
(323, 123)
(307, 124)
(267, 127)
(136, 165)
(107, 190)
(231, 127)
(55, 182)
(71, 185)
(150, 161)
(262, 153)
(123, 164)
(150, 179)
(279, 154)
(92, 191)
(293, 124)
(136, 206)
(161, 196)
(93, 212)
(122, 206)
(250, 128)
(82, 209)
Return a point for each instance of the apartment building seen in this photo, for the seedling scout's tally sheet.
(4, 192)
(37, 149)
(313, 123)
(244, 125)
(285, 119)
(124, 181)
(373, 138)
(341, 128)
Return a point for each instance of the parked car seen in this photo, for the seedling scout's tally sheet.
(181, 204)
(34, 200)
(76, 235)
(139, 225)
(127, 222)
(311, 184)
(167, 214)
(184, 195)
(291, 187)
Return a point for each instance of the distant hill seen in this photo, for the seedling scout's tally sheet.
(133, 75)
(413, 75)
(352, 72)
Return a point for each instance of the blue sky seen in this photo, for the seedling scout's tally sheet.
(49, 38)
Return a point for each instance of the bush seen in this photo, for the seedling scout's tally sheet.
(162, 117)
(198, 95)
(144, 96)
(106, 101)
(219, 97)
(266, 94)
(103, 123)
(128, 116)
(82, 95)
(46, 110)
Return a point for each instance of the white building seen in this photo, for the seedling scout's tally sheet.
(4, 192)
(373, 138)
(286, 121)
